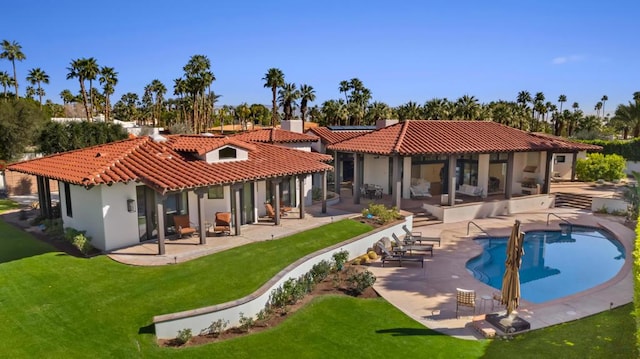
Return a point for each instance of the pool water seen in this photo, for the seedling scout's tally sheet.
(555, 264)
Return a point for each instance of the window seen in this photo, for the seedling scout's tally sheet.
(67, 199)
(561, 159)
(227, 153)
(216, 192)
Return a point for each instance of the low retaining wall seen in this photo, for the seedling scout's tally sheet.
(609, 204)
(168, 325)
(471, 211)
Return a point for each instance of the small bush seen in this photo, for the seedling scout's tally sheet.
(53, 228)
(216, 328)
(340, 258)
(245, 323)
(361, 281)
(316, 193)
(381, 213)
(184, 336)
(320, 271)
(79, 240)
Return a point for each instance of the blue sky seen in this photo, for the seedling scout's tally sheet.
(401, 50)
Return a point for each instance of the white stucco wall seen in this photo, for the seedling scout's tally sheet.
(214, 156)
(86, 212)
(406, 177)
(471, 211)
(609, 204)
(376, 171)
(631, 167)
(120, 226)
(483, 173)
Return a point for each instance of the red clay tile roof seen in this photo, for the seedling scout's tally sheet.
(448, 137)
(273, 135)
(330, 137)
(203, 144)
(165, 169)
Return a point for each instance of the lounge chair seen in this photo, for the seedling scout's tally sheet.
(388, 257)
(222, 223)
(183, 226)
(272, 213)
(465, 298)
(412, 247)
(417, 237)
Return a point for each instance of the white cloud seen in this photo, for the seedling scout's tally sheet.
(565, 59)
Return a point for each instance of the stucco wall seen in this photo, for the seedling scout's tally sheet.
(471, 211)
(86, 206)
(120, 226)
(168, 325)
(609, 204)
(376, 171)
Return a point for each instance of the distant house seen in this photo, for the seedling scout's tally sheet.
(115, 191)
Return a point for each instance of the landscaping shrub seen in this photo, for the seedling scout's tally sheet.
(629, 149)
(340, 258)
(79, 240)
(216, 328)
(183, 336)
(598, 166)
(320, 270)
(361, 281)
(53, 228)
(381, 213)
(245, 323)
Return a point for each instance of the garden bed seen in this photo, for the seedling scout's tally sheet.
(337, 283)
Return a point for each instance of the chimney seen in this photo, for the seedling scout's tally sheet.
(292, 125)
(385, 123)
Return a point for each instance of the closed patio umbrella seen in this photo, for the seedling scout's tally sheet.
(511, 279)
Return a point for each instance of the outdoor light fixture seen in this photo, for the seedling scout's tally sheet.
(131, 205)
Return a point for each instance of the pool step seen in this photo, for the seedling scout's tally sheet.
(572, 200)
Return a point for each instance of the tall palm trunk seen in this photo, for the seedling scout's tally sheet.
(274, 109)
(15, 77)
(40, 95)
(107, 106)
(84, 98)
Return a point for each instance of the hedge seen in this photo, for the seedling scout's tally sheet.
(636, 287)
(629, 149)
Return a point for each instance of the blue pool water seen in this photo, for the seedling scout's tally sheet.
(554, 264)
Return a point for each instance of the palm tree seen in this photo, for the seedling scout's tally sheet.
(436, 109)
(344, 86)
(108, 79)
(12, 51)
(274, 78)
(307, 94)
(91, 71)
(76, 70)
(598, 107)
(37, 76)
(524, 97)
(159, 90)
(287, 97)
(604, 99)
(5, 81)
(66, 96)
(467, 108)
(626, 118)
(409, 111)
(30, 92)
(562, 99)
(378, 111)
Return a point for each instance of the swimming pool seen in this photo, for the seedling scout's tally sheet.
(555, 263)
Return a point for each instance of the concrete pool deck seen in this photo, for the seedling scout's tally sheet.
(428, 294)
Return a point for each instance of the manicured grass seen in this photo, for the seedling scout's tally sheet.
(606, 335)
(17, 244)
(7, 204)
(56, 306)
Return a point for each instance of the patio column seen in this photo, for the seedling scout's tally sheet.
(508, 181)
(41, 196)
(302, 195)
(201, 220)
(337, 170)
(276, 196)
(451, 191)
(236, 208)
(47, 197)
(357, 179)
(396, 187)
(324, 192)
(574, 158)
(160, 221)
(546, 187)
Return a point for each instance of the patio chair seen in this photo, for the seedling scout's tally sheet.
(417, 237)
(465, 298)
(183, 226)
(388, 257)
(222, 223)
(272, 213)
(412, 247)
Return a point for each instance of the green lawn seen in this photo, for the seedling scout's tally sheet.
(57, 306)
(7, 204)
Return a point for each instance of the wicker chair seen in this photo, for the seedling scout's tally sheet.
(465, 298)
